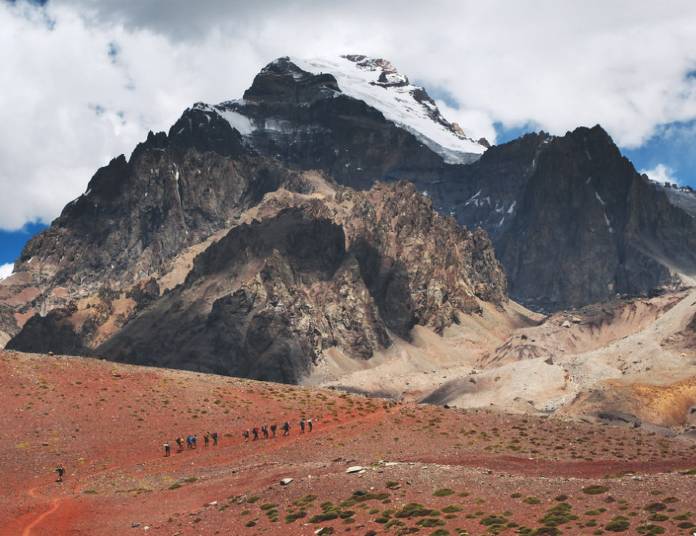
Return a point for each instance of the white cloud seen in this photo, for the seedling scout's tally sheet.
(6, 270)
(661, 173)
(555, 64)
(476, 124)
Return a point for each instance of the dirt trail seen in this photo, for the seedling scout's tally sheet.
(206, 456)
(55, 504)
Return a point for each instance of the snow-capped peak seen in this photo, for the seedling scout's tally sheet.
(377, 83)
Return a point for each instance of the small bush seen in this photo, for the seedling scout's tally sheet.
(595, 490)
(618, 524)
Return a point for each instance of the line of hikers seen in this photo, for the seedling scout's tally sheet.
(265, 430)
(191, 442)
(270, 431)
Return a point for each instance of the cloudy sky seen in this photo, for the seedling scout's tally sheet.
(84, 80)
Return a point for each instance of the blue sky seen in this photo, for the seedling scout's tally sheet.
(12, 242)
(86, 79)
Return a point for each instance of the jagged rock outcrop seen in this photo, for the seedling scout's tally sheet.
(573, 222)
(54, 333)
(571, 219)
(349, 271)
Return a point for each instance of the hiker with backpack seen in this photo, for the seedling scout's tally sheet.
(60, 471)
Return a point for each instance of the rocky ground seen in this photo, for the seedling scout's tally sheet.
(415, 468)
(630, 361)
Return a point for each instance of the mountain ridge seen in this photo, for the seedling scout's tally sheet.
(570, 219)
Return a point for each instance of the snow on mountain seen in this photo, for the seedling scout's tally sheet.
(377, 83)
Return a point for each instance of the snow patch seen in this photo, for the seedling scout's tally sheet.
(237, 121)
(606, 219)
(395, 99)
(512, 207)
(599, 198)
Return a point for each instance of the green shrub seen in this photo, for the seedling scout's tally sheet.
(595, 490)
(618, 524)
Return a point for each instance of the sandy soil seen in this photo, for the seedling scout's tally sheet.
(598, 362)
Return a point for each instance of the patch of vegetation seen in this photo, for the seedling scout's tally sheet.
(291, 517)
(595, 490)
(415, 510)
(305, 501)
(655, 507)
(558, 515)
(650, 530)
(618, 524)
(362, 496)
(443, 492)
(430, 522)
(493, 520)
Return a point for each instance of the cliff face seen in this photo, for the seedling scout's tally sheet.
(351, 270)
(573, 222)
(138, 214)
(570, 218)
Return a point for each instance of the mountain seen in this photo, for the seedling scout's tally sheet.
(571, 219)
(261, 236)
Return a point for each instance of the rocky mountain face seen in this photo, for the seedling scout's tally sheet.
(256, 233)
(571, 220)
(342, 269)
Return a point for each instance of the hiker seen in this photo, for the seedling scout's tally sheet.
(273, 429)
(286, 428)
(255, 431)
(215, 438)
(302, 425)
(206, 438)
(264, 430)
(60, 470)
(245, 433)
(180, 443)
(167, 449)
(309, 424)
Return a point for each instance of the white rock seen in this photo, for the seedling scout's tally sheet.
(355, 469)
(285, 481)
